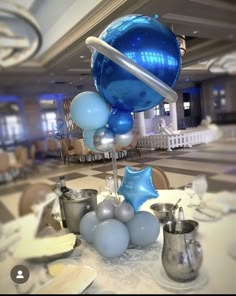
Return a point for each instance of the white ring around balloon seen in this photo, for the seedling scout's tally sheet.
(119, 58)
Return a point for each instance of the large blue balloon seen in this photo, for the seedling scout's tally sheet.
(137, 186)
(87, 226)
(89, 110)
(120, 122)
(144, 229)
(111, 238)
(148, 43)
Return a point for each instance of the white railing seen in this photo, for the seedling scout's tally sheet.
(186, 138)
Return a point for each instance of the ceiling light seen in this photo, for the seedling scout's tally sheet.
(195, 31)
(16, 49)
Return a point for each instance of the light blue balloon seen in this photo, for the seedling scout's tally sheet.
(87, 226)
(89, 110)
(144, 229)
(137, 186)
(88, 139)
(111, 238)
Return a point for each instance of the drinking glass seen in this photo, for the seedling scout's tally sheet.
(200, 188)
(188, 188)
(109, 180)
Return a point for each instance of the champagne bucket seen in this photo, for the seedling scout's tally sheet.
(76, 204)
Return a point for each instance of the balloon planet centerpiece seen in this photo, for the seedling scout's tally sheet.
(135, 63)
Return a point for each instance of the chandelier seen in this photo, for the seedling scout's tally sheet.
(224, 64)
(15, 48)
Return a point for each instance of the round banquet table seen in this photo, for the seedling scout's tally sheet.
(137, 269)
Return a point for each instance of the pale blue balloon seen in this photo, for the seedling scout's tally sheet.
(137, 186)
(87, 226)
(111, 238)
(144, 229)
(89, 110)
(88, 139)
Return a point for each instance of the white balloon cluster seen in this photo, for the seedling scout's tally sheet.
(113, 226)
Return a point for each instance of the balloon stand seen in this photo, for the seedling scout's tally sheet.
(114, 168)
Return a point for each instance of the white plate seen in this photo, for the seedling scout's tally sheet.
(204, 217)
(164, 281)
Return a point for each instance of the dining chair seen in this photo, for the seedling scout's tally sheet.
(4, 164)
(53, 147)
(159, 179)
(32, 195)
(67, 154)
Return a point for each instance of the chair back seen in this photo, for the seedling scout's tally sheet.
(33, 194)
(64, 147)
(4, 162)
(52, 145)
(18, 152)
(159, 179)
(78, 149)
(85, 149)
(32, 152)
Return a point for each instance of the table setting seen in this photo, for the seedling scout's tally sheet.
(132, 263)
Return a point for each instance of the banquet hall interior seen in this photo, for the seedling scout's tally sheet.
(196, 135)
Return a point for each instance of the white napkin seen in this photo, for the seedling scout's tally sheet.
(218, 206)
(223, 201)
(73, 279)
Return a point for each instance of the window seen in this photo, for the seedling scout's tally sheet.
(10, 122)
(49, 121)
(187, 104)
(157, 110)
(166, 109)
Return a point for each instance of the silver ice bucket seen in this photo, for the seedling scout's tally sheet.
(76, 204)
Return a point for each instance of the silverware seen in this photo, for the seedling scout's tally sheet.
(175, 205)
(204, 213)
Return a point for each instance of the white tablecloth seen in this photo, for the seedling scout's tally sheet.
(134, 271)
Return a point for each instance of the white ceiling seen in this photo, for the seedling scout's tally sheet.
(65, 24)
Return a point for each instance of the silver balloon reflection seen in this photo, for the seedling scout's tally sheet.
(124, 140)
(103, 139)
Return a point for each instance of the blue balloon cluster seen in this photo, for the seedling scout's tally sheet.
(113, 226)
(149, 44)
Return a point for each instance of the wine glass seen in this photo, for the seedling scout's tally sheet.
(188, 188)
(200, 188)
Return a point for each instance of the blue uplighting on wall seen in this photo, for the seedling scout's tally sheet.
(50, 96)
(192, 90)
(9, 98)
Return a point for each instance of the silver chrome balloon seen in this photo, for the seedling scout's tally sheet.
(103, 139)
(124, 140)
(138, 71)
(124, 212)
(105, 210)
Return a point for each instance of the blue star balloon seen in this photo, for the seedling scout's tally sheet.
(137, 186)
